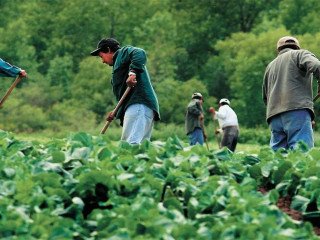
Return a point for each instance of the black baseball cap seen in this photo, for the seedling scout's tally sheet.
(105, 45)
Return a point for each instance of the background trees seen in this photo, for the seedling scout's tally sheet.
(217, 47)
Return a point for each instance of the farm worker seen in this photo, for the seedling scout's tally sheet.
(228, 122)
(8, 70)
(140, 109)
(194, 120)
(287, 93)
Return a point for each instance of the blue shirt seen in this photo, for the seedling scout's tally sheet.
(8, 70)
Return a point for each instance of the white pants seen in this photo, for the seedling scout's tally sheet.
(137, 124)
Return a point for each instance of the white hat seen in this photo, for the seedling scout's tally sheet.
(196, 95)
(224, 100)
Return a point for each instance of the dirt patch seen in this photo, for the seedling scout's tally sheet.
(317, 230)
(284, 204)
(263, 190)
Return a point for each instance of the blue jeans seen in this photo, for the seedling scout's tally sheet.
(137, 124)
(196, 137)
(288, 128)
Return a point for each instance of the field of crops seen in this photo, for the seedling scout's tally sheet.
(87, 187)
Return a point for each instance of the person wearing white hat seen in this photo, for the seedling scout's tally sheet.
(288, 96)
(194, 120)
(228, 122)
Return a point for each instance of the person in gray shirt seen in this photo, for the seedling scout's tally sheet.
(287, 93)
(194, 120)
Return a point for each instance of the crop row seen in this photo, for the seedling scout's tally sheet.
(86, 187)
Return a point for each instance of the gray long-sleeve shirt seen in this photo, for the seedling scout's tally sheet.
(287, 83)
(192, 120)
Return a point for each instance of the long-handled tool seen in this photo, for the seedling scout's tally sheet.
(207, 144)
(216, 131)
(14, 84)
(314, 100)
(318, 94)
(115, 110)
(203, 130)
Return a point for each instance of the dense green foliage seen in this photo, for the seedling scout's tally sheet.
(220, 48)
(85, 187)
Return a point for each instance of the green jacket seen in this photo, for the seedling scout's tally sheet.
(127, 59)
(8, 70)
(192, 120)
(287, 83)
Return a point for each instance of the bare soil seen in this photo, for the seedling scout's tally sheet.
(284, 205)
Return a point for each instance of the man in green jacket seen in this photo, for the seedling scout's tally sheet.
(140, 109)
(287, 93)
(8, 70)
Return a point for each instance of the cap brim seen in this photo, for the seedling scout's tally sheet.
(95, 52)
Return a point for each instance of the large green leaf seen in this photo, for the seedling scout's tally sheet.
(278, 174)
(82, 153)
(312, 216)
(300, 203)
(58, 156)
(255, 171)
(9, 172)
(84, 138)
(104, 153)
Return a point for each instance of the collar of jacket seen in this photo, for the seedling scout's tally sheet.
(285, 50)
(115, 55)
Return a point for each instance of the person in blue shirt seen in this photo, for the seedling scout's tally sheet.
(8, 70)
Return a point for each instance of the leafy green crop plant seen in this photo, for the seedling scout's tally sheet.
(88, 187)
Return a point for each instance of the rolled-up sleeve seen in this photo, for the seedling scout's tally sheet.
(8, 70)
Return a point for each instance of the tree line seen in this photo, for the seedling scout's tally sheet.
(217, 47)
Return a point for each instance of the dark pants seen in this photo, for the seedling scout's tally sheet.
(230, 137)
